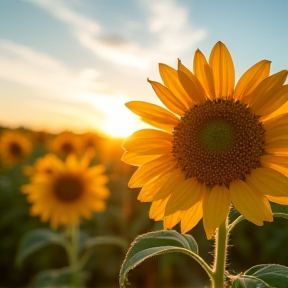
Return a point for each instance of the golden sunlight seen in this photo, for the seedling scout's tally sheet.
(118, 124)
(115, 121)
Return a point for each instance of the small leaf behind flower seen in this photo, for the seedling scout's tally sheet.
(274, 275)
(36, 240)
(263, 276)
(244, 281)
(153, 244)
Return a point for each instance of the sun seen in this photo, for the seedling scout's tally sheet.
(114, 121)
(119, 124)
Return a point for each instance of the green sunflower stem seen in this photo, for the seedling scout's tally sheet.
(73, 255)
(219, 268)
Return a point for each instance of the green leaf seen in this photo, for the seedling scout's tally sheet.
(106, 240)
(274, 275)
(278, 208)
(55, 278)
(36, 240)
(244, 281)
(93, 243)
(156, 243)
(281, 215)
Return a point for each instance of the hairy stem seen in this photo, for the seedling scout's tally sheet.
(220, 255)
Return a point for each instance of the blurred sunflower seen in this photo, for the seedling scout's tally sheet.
(66, 143)
(14, 147)
(43, 165)
(70, 191)
(216, 145)
(91, 140)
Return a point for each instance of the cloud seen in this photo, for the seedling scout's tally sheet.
(170, 22)
(54, 96)
(23, 65)
(26, 66)
(166, 23)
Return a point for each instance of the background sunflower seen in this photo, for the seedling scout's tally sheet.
(63, 192)
(14, 147)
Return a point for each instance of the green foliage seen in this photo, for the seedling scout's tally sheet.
(249, 282)
(262, 276)
(94, 242)
(153, 244)
(60, 278)
(36, 240)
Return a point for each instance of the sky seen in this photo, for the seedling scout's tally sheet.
(73, 64)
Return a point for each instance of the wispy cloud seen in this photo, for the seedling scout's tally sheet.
(170, 22)
(24, 65)
(58, 95)
(170, 37)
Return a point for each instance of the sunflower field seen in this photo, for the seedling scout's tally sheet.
(41, 225)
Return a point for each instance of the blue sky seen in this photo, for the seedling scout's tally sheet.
(72, 64)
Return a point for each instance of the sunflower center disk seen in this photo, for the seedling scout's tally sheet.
(67, 148)
(68, 188)
(218, 142)
(217, 136)
(15, 149)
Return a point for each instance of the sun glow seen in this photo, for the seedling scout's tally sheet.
(116, 121)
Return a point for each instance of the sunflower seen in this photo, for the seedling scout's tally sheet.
(216, 145)
(66, 143)
(43, 165)
(91, 140)
(14, 147)
(67, 191)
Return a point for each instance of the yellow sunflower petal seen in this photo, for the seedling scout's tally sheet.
(72, 162)
(162, 126)
(151, 113)
(191, 217)
(168, 98)
(177, 176)
(250, 203)
(148, 142)
(99, 206)
(279, 163)
(151, 170)
(149, 134)
(150, 189)
(283, 109)
(222, 67)
(269, 182)
(280, 99)
(170, 79)
(250, 80)
(162, 186)
(94, 171)
(191, 84)
(216, 205)
(204, 74)
(133, 158)
(278, 200)
(186, 194)
(276, 128)
(147, 151)
(170, 221)
(157, 209)
(143, 144)
(270, 94)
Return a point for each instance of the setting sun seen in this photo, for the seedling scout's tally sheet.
(116, 119)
